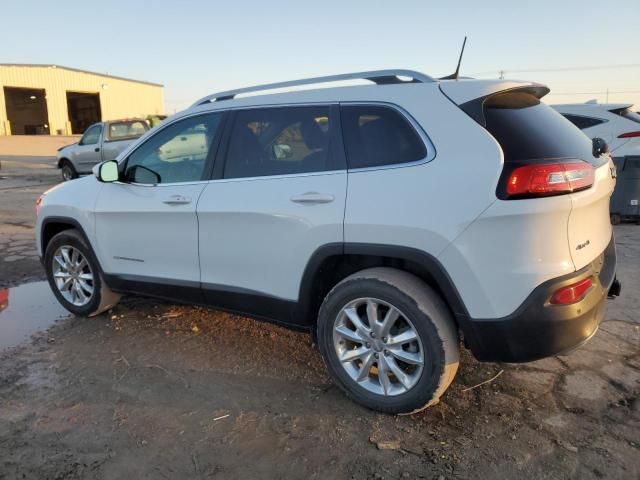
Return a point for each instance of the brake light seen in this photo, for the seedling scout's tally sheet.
(629, 135)
(541, 180)
(572, 293)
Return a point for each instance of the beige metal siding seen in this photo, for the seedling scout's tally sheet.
(119, 98)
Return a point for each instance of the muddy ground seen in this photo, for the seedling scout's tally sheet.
(155, 390)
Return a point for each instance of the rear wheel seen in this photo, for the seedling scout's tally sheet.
(74, 275)
(68, 171)
(388, 340)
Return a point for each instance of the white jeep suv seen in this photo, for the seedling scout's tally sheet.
(391, 220)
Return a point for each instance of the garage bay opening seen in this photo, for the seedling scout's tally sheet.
(27, 111)
(84, 110)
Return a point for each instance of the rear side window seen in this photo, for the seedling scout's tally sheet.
(280, 141)
(124, 130)
(582, 122)
(528, 129)
(375, 135)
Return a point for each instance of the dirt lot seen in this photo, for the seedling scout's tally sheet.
(154, 390)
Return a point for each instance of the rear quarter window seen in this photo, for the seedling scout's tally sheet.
(377, 135)
(583, 122)
(125, 130)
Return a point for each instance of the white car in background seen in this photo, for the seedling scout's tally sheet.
(619, 126)
(616, 123)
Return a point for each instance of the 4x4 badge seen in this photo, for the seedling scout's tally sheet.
(583, 245)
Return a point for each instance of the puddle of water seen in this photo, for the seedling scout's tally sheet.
(25, 310)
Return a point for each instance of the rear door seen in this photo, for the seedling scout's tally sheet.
(278, 197)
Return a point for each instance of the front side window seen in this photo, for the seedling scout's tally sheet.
(124, 130)
(177, 153)
(375, 135)
(279, 141)
(91, 136)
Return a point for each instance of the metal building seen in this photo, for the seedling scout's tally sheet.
(55, 100)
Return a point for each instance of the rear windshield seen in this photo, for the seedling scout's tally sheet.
(124, 130)
(528, 129)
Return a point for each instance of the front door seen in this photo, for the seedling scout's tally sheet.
(87, 152)
(146, 224)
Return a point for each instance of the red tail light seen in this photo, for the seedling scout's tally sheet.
(572, 293)
(541, 180)
(629, 135)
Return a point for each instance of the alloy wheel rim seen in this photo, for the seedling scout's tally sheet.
(66, 173)
(73, 275)
(378, 346)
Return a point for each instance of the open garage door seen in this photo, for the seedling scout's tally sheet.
(27, 111)
(84, 110)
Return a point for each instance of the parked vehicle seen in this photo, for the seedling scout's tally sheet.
(101, 141)
(619, 125)
(389, 220)
(616, 123)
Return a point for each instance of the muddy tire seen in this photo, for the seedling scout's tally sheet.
(615, 219)
(388, 340)
(68, 171)
(75, 276)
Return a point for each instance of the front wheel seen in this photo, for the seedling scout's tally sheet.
(68, 171)
(388, 340)
(74, 275)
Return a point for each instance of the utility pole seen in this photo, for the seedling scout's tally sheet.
(607, 96)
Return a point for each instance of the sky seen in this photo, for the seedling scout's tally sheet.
(197, 47)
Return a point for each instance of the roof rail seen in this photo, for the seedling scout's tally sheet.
(379, 77)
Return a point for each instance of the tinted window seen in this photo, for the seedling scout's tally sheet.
(527, 129)
(122, 130)
(279, 141)
(177, 153)
(582, 122)
(91, 136)
(376, 135)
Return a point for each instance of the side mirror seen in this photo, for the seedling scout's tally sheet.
(282, 151)
(107, 171)
(599, 146)
(143, 175)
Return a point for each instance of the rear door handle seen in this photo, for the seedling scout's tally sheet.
(313, 197)
(177, 200)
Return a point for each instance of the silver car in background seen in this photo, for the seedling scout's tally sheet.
(101, 141)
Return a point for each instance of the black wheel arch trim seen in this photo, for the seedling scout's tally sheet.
(66, 221)
(428, 266)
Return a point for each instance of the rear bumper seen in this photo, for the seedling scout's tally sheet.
(538, 329)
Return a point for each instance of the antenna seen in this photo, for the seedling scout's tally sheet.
(454, 76)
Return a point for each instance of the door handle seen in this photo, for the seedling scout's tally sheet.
(177, 200)
(96, 149)
(313, 197)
